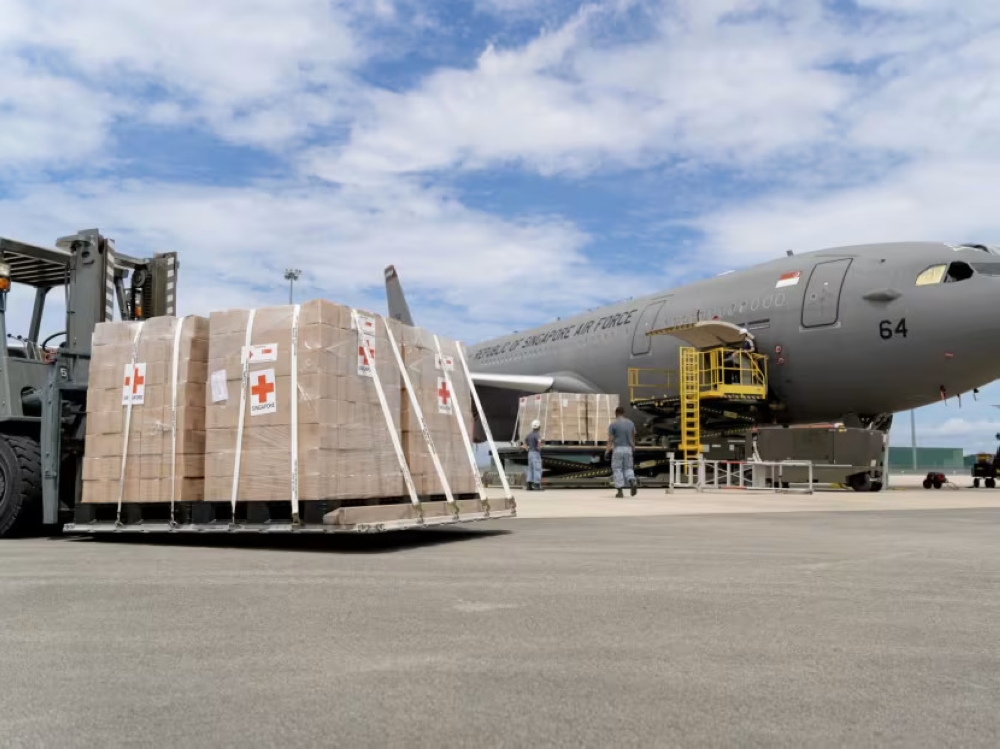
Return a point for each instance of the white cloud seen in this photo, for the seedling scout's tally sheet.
(235, 243)
(733, 93)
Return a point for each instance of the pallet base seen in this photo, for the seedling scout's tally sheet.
(275, 517)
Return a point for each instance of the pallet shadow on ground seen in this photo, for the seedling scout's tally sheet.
(340, 543)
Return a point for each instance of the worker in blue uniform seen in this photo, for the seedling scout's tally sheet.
(621, 446)
(533, 444)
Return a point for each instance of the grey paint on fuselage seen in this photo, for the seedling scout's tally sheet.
(856, 335)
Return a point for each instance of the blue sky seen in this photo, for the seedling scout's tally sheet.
(517, 160)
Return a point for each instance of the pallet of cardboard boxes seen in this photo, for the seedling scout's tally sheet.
(569, 418)
(275, 403)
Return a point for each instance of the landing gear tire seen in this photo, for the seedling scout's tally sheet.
(927, 484)
(975, 483)
(860, 482)
(20, 486)
(937, 484)
(876, 486)
(991, 483)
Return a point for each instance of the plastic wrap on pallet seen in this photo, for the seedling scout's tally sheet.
(438, 402)
(343, 445)
(135, 361)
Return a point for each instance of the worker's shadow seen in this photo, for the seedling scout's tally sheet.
(333, 543)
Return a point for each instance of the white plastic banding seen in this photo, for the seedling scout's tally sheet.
(294, 402)
(397, 446)
(486, 425)
(173, 414)
(244, 381)
(418, 412)
(128, 424)
(469, 451)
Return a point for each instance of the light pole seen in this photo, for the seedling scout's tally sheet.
(292, 275)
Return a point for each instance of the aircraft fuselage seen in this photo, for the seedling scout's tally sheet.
(846, 330)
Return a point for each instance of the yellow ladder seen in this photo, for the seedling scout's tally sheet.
(690, 403)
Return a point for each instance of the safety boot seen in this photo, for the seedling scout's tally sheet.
(619, 495)
(633, 486)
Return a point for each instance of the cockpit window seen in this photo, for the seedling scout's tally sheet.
(952, 273)
(932, 275)
(958, 272)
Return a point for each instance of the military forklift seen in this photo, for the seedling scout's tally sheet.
(43, 380)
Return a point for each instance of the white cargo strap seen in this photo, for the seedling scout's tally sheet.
(418, 412)
(469, 450)
(244, 381)
(486, 428)
(128, 427)
(294, 397)
(173, 414)
(393, 436)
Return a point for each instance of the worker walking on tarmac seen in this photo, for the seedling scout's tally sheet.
(533, 444)
(621, 445)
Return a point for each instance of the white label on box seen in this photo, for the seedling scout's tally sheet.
(263, 399)
(366, 344)
(134, 386)
(367, 324)
(220, 390)
(449, 363)
(261, 354)
(444, 397)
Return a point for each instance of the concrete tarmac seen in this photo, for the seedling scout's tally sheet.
(758, 620)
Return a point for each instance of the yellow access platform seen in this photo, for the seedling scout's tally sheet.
(716, 368)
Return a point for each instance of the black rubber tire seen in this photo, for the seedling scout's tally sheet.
(21, 493)
(938, 484)
(927, 483)
(860, 482)
(991, 483)
(975, 483)
(876, 486)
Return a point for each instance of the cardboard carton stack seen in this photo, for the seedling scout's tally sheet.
(600, 412)
(568, 417)
(344, 447)
(150, 467)
(563, 416)
(437, 404)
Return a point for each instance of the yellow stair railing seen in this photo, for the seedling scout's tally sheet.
(690, 403)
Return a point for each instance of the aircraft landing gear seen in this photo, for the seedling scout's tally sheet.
(863, 482)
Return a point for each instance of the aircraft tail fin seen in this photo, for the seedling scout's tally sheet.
(398, 308)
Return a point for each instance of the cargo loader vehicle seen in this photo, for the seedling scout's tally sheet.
(43, 376)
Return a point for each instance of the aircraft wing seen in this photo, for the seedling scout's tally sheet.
(521, 383)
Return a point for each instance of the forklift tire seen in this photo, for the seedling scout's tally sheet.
(975, 483)
(991, 483)
(20, 486)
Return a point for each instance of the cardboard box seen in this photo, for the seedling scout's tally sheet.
(344, 446)
(580, 418)
(440, 405)
(153, 437)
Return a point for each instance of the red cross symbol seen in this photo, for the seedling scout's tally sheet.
(262, 389)
(443, 393)
(363, 353)
(135, 381)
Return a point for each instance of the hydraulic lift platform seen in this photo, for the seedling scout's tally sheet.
(719, 389)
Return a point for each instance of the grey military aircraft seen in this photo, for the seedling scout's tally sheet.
(852, 334)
